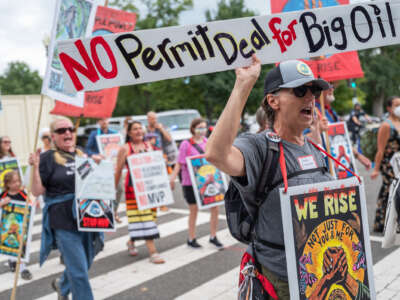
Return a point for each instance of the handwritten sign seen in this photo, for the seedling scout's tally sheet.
(327, 245)
(109, 145)
(209, 184)
(95, 188)
(172, 52)
(150, 179)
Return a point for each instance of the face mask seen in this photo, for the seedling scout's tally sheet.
(396, 111)
(330, 98)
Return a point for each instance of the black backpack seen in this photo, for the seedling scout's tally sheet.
(240, 219)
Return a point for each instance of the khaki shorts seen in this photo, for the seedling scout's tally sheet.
(281, 287)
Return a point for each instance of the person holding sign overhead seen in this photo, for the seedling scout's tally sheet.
(54, 177)
(91, 147)
(194, 146)
(290, 90)
(142, 223)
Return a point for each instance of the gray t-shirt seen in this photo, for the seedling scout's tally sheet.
(269, 224)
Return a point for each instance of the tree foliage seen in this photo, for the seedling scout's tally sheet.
(20, 79)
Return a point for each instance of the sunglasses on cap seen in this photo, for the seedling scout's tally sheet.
(63, 130)
(301, 91)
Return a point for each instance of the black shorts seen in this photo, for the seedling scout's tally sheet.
(189, 194)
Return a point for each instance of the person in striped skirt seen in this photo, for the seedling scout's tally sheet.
(141, 223)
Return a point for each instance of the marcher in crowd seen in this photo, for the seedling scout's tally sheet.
(142, 223)
(5, 147)
(45, 136)
(13, 190)
(54, 177)
(329, 98)
(91, 147)
(290, 90)
(153, 126)
(388, 143)
(354, 123)
(194, 146)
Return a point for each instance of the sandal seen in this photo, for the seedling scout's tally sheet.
(132, 249)
(155, 258)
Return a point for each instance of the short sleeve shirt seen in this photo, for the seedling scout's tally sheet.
(269, 223)
(15, 197)
(185, 150)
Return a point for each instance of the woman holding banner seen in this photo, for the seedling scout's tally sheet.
(194, 146)
(54, 177)
(142, 223)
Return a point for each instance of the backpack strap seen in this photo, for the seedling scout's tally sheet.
(197, 146)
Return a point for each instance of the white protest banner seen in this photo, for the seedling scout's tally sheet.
(327, 245)
(109, 145)
(150, 179)
(172, 52)
(95, 192)
(72, 19)
(341, 149)
(391, 231)
(395, 163)
(209, 184)
(11, 220)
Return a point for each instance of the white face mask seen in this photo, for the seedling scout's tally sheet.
(396, 111)
(330, 98)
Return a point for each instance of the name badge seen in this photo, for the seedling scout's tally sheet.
(307, 162)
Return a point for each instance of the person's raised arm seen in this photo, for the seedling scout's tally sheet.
(37, 187)
(383, 137)
(219, 149)
(166, 135)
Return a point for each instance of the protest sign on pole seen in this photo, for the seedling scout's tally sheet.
(341, 149)
(11, 220)
(100, 104)
(150, 179)
(327, 244)
(209, 184)
(391, 231)
(7, 165)
(72, 19)
(180, 51)
(95, 193)
(109, 144)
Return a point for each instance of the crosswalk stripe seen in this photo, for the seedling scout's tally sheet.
(121, 279)
(215, 288)
(52, 266)
(385, 271)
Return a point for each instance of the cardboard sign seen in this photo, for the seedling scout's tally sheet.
(341, 149)
(331, 68)
(209, 184)
(11, 220)
(7, 165)
(72, 19)
(150, 179)
(327, 244)
(95, 192)
(100, 104)
(172, 52)
(109, 145)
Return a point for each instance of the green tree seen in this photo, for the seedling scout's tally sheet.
(20, 79)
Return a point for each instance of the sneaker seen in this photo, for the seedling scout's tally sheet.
(216, 242)
(193, 243)
(55, 284)
(26, 274)
(12, 265)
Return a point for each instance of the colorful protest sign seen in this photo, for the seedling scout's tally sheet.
(8, 165)
(172, 52)
(109, 145)
(391, 231)
(341, 149)
(327, 244)
(11, 220)
(331, 67)
(209, 184)
(100, 104)
(150, 179)
(95, 188)
(72, 19)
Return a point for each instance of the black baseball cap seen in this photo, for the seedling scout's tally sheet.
(291, 74)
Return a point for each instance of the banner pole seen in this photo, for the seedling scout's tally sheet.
(326, 135)
(26, 210)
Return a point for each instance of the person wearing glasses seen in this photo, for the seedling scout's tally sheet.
(54, 177)
(5, 147)
(194, 146)
(290, 90)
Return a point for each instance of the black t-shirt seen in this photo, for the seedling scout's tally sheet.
(21, 196)
(59, 180)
